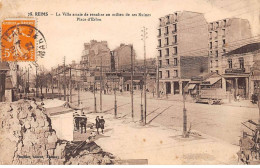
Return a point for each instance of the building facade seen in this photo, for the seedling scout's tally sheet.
(224, 36)
(122, 57)
(181, 34)
(237, 65)
(96, 54)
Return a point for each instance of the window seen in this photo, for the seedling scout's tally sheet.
(166, 30)
(174, 28)
(159, 32)
(168, 73)
(211, 66)
(217, 24)
(174, 39)
(241, 63)
(210, 53)
(160, 74)
(167, 41)
(175, 61)
(223, 32)
(210, 35)
(167, 52)
(168, 19)
(224, 51)
(167, 61)
(216, 34)
(175, 73)
(160, 53)
(224, 23)
(230, 63)
(159, 43)
(160, 63)
(217, 71)
(216, 63)
(216, 53)
(224, 42)
(175, 50)
(216, 44)
(210, 45)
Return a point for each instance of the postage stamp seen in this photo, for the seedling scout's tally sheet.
(21, 40)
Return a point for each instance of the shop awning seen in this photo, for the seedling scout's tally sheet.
(211, 81)
(191, 86)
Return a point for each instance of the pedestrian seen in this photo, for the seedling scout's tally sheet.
(42, 97)
(97, 124)
(102, 124)
(83, 124)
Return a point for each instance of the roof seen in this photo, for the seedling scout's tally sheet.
(4, 66)
(245, 49)
(211, 81)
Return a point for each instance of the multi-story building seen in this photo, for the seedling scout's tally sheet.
(122, 57)
(226, 35)
(96, 54)
(181, 34)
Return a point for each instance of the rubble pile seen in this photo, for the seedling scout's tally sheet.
(28, 138)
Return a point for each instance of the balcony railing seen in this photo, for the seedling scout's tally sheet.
(233, 70)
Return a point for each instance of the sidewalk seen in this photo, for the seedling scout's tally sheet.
(161, 145)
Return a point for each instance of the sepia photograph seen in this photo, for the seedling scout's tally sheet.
(130, 82)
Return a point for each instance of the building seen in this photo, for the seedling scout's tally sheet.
(180, 36)
(224, 36)
(122, 57)
(237, 65)
(96, 54)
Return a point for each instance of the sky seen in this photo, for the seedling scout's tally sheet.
(66, 37)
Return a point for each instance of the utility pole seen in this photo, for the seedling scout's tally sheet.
(142, 110)
(64, 79)
(78, 93)
(52, 84)
(184, 117)
(101, 83)
(115, 99)
(36, 73)
(59, 83)
(70, 87)
(95, 100)
(132, 92)
(144, 37)
(157, 79)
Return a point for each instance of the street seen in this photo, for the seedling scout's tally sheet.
(219, 121)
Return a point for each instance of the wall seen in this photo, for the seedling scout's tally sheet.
(193, 66)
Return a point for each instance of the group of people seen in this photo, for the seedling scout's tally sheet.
(100, 123)
(80, 122)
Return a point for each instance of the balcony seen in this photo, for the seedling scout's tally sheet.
(233, 70)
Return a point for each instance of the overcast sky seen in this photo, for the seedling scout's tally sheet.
(65, 36)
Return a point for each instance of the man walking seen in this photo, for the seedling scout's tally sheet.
(97, 123)
(102, 124)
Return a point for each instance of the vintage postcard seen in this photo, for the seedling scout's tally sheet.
(130, 82)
